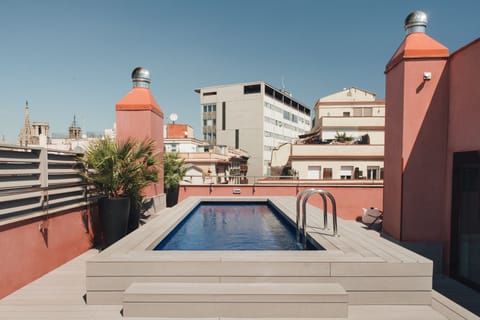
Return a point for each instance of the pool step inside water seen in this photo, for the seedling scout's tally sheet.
(239, 300)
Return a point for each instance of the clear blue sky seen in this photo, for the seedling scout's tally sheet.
(75, 57)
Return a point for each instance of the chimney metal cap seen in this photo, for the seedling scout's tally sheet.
(416, 21)
(141, 77)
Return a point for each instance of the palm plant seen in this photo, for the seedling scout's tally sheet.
(104, 168)
(120, 171)
(173, 173)
(141, 170)
(173, 170)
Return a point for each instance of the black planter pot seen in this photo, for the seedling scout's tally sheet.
(172, 196)
(133, 217)
(114, 213)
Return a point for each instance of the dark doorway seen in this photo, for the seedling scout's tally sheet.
(465, 244)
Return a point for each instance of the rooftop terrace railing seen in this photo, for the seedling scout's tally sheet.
(273, 180)
(36, 182)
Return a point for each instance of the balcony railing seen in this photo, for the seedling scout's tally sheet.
(272, 180)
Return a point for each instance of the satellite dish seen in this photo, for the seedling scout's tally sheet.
(173, 117)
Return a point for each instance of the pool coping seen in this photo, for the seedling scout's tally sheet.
(363, 263)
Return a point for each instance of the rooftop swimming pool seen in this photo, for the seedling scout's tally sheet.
(371, 269)
(234, 226)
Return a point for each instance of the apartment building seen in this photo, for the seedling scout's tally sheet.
(253, 116)
(347, 141)
(352, 111)
(205, 163)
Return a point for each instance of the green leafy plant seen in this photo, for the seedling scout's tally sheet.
(342, 137)
(120, 169)
(141, 168)
(173, 170)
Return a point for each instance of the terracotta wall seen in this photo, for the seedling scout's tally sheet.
(424, 149)
(464, 112)
(141, 124)
(464, 99)
(350, 200)
(415, 149)
(393, 163)
(27, 253)
(177, 131)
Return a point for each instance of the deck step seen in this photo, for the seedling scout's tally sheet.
(238, 300)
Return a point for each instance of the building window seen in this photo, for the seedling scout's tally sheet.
(204, 123)
(346, 114)
(237, 138)
(269, 91)
(212, 93)
(367, 112)
(313, 172)
(346, 172)
(224, 113)
(327, 173)
(253, 88)
(205, 108)
(465, 218)
(373, 173)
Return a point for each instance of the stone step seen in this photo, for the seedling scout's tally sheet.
(236, 300)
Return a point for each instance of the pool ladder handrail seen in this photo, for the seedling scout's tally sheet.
(308, 193)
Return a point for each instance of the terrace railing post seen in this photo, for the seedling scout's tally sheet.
(43, 166)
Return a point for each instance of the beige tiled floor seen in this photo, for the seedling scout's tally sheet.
(59, 295)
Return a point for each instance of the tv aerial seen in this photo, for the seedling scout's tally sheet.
(173, 117)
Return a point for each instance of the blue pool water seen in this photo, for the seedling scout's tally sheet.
(233, 226)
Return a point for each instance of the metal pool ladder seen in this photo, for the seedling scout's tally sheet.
(305, 195)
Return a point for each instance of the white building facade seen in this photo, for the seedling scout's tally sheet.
(347, 141)
(352, 111)
(255, 117)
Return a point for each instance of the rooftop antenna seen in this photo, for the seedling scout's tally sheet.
(283, 84)
(173, 117)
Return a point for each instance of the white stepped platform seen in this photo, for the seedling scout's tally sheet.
(238, 300)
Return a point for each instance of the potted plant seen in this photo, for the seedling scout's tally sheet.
(119, 171)
(143, 171)
(173, 171)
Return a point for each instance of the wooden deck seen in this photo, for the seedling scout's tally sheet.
(61, 293)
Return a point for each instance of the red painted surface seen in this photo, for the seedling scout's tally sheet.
(28, 253)
(415, 152)
(139, 116)
(393, 166)
(464, 99)
(426, 122)
(424, 147)
(464, 112)
(417, 45)
(177, 131)
(349, 200)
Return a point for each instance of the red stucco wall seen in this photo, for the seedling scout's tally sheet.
(392, 195)
(142, 124)
(424, 147)
(464, 99)
(177, 131)
(464, 112)
(27, 254)
(349, 200)
(415, 140)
